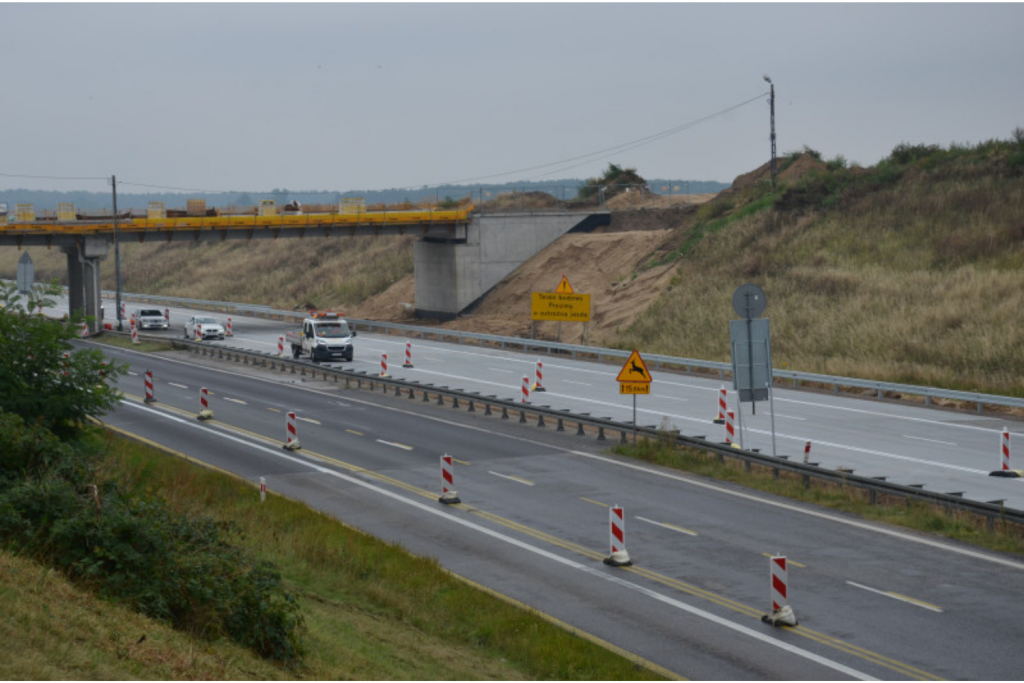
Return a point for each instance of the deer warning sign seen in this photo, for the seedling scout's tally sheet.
(634, 374)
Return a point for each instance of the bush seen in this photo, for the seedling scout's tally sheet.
(183, 571)
(904, 153)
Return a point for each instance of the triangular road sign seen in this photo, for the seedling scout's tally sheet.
(634, 370)
(563, 287)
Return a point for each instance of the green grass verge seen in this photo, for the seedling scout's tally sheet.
(125, 342)
(372, 610)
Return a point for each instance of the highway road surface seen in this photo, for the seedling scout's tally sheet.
(942, 450)
(872, 601)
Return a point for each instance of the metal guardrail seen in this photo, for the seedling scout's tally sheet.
(723, 370)
(993, 511)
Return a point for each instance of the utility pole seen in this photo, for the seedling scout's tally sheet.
(771, 103)
(117, 255)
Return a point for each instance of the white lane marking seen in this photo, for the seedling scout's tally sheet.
(921, 438)
(235, 400)
(133, 374)
(897, 596)
(502, 370)
(629, 465)
(507, 476)
(396, 445)
(308, 419)
(671, 527)
(807, 511)
(591, 571)
(569, 381)
(791, 417)
(180, 386)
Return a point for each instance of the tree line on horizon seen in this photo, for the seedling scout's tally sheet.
(566, 189)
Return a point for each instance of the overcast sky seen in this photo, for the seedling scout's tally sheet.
(368, 96)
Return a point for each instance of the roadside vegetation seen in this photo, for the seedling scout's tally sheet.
(119, 562)
(910, 271)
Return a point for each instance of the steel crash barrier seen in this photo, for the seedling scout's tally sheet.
(604, 427)
(722, 370)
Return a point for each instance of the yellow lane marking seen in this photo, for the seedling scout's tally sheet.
(639, 661)
(673, 527)
(461, 462)
(753, 612)
(626, 654)
(352, 431)
(595, 502)
(274, 410)
(788, 561)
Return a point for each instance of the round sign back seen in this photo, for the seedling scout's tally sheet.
(749, 301)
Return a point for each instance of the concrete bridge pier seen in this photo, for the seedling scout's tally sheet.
(454, 273)
(84, 293)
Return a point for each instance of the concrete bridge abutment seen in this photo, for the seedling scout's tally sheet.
(452, 274)
(84, 293)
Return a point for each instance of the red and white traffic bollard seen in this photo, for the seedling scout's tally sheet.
(85, 330)
(526, 389)
(617, 524)
(167, 314)
(807, 452)
(782, 613)
(149, 387)
(384, 365)
(263, 489)
(730, 427)
(280, 346)
(124, 310)
(540, 377)
(409, 355)
(448, 494)
(291, 436)
(1004, 458)
(135, 333)
(723, 407)
(204, 401)
(229, 331)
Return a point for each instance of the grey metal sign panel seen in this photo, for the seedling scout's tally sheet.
(751, 358)
(26, 274)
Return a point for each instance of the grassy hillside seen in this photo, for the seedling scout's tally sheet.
(910, 271)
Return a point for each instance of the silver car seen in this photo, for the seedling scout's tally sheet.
(203, 327)
(150, 319)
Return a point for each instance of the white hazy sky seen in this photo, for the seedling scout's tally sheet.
(253, 96)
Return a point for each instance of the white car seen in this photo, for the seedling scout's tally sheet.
(203, 327)
(150, 319)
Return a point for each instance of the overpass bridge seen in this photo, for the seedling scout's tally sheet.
(460, 256)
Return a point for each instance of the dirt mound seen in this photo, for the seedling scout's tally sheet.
(802, 165)
(608, 265)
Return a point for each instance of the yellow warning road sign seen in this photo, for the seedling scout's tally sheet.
(634, 371)
(563, 287)
(567, 307)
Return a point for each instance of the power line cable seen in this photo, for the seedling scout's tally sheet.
(625, 146)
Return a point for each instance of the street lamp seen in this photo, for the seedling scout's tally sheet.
(771, 101)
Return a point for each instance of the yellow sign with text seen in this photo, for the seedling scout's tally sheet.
(567, 307)
(634, 387)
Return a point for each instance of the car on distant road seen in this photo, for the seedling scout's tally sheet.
(150, 319)
(203, 327)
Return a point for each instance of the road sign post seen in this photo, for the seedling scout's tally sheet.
(751, 352)
(634, 379)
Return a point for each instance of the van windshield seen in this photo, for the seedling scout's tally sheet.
(333, 330)
(150, 312)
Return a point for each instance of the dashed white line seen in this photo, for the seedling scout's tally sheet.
(921, 438)
(396, 445)
(180, 386)
(235, 400)
(671, 527)
(515, 479)
(897, 596)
